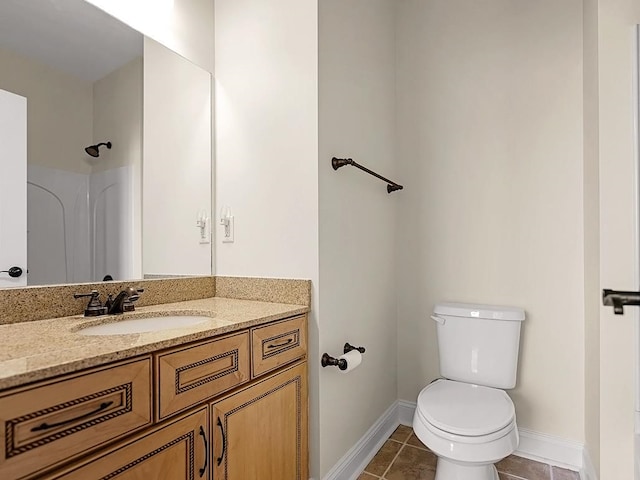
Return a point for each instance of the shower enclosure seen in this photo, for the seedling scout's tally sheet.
(80, 226)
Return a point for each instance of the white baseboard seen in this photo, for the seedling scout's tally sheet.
(533, 445)
(351, 465)
(549, 449)
(588, 471)
(406, 411)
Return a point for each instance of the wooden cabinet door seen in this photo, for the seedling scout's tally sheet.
(175, 451)
(261, 432)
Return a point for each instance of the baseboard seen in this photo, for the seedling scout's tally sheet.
(588, 471)
(549, 449)
(351, 465)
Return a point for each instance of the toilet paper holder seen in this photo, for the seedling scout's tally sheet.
(329, 361)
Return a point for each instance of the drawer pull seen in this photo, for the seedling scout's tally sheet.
(206, 451)
(46, 426)
(277, 345)
(224, 443)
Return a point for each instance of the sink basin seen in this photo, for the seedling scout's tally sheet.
(141, 325)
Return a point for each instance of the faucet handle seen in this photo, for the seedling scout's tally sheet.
(94, 307)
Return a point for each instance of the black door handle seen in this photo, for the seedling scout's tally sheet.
(277, 345)
(46, 426)
(14, 272)
(224, 442)
(206, 452)
(619, 298)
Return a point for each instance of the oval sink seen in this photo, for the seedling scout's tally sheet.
(141, 325)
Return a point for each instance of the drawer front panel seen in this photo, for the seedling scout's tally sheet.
(190, 375)
(277, 344)
(50, 422)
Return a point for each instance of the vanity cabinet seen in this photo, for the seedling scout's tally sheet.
(260, 432)
(234, 405)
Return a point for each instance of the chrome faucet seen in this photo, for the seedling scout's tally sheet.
(123, 301)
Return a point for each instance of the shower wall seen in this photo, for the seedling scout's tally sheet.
(79, 226)
(111, 223)
(57, 226)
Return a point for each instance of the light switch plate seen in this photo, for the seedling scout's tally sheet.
(228, 239)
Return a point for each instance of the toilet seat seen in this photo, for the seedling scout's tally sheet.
(462, 412)
(438, 422)
(464, 439)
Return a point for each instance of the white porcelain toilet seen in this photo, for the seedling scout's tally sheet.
(466, 418)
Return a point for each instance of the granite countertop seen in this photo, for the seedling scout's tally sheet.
(37, 350)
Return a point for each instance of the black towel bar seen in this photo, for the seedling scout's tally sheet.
(341, 162)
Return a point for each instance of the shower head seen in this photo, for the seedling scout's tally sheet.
(94, 150)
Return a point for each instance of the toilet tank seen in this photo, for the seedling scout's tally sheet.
(479, 344)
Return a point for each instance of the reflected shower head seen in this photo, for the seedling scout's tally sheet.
(94, 150)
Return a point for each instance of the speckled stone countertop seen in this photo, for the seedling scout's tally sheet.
(37, 350)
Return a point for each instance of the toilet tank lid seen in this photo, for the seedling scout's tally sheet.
(472, 310)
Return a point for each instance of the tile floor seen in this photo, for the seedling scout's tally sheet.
(404, 457)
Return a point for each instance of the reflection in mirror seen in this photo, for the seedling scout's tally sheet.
(177, 165)
(82, 74)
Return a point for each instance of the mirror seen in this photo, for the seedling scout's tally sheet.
(118, 148)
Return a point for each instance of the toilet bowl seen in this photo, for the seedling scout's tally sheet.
(466, 418)
(468, 427)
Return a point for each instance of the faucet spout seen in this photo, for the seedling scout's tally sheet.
(123, 301)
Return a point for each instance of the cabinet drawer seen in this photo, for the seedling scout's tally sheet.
(190, 375)
(48, 423)
(277, 344)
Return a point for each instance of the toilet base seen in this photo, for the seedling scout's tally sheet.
(449, 470)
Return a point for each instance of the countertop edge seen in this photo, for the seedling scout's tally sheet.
(25, 379)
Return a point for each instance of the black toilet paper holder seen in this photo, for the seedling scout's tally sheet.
(329, 361)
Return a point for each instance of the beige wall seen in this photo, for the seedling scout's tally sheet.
(490, 144)
(59, 112)
(357, 239)
(117, 107)
(618, 236)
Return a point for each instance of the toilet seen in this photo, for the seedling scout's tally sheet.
(466, 418)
